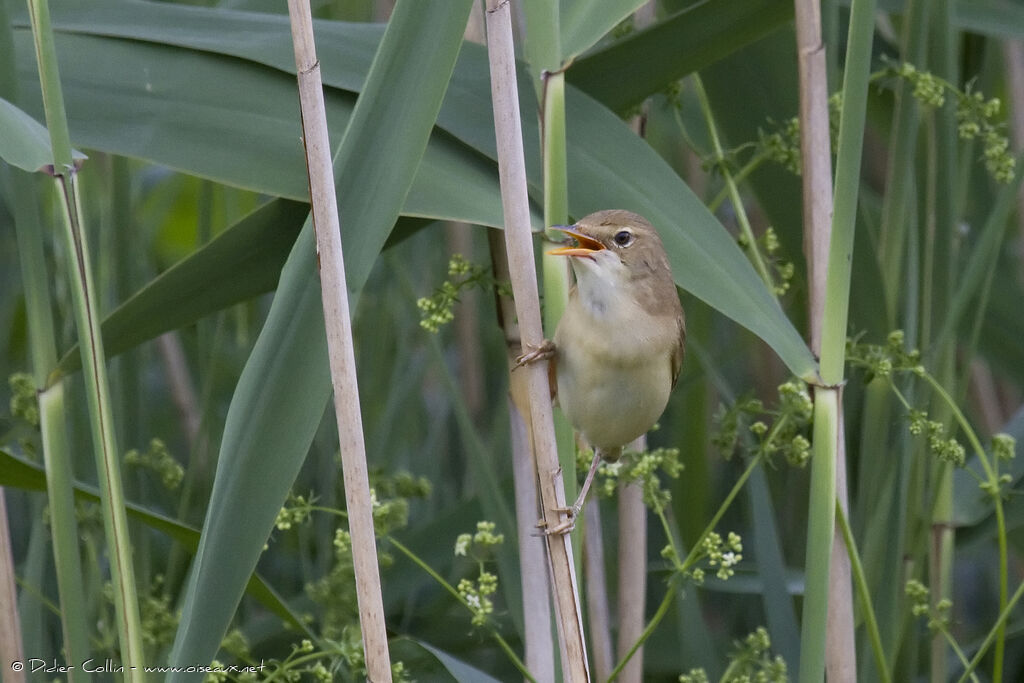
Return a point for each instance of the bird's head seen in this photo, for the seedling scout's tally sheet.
(614, 248)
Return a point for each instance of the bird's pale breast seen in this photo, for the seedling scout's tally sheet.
(614, 371)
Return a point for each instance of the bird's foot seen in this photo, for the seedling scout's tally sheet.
(546, 351)
(566, 526)
(561, 528)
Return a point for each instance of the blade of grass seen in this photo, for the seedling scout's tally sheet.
(627, 71)
(140, 99)
(93, 358)
(25, 144)
(241, 262)
(584, 22)
(280, 397)
(451, 183)
(896, 209)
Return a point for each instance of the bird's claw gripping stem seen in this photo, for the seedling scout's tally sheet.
(566, 526)
(546, 351)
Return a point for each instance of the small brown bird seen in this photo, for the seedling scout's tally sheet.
(618, 349)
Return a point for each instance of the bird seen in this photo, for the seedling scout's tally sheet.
(619, 346)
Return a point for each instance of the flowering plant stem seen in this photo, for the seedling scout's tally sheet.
(680, 567)
(502, 643)
(749, 242)
(867, 609)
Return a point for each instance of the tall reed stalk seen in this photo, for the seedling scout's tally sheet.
(84, 299)
(519, 245)
(828, 398)
(537, 641)
(341, 354)
(816, 164)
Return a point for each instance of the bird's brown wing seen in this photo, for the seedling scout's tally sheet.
(679, 351)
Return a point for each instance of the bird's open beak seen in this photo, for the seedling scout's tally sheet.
(586, 245)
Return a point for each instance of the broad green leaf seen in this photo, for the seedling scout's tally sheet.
(24, 141)
(609, 165)
(281, 394)
(239, 263)
(229, 120)
(17, 472)
(623, 74)
(584, 22)
(625, 172)
(756, 89)
(996, 18)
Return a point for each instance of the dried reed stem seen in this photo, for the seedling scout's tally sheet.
(815, 157)
(632, 574)
(1013, 52)
(11, 650)
(519, 245)
(339, 344)
(538, 646)
(595, 585)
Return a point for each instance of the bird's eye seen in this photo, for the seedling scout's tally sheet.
(623, 238)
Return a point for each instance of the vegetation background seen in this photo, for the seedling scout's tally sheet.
(192, 201)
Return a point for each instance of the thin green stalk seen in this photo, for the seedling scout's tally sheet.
(866, 608)
(91, 345)
(737, 178)
(820, 532)
(502, 643)
(555, 269)
(52, 413)
(992, 486)
(827, 399)
(542, 46)
(896, 210)
(982, 259)
(690, 559)
(556, 193)
(67, 561)
(997, 628)
(662, 610)
(943, 212)
(957, 650)
(746, 231)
